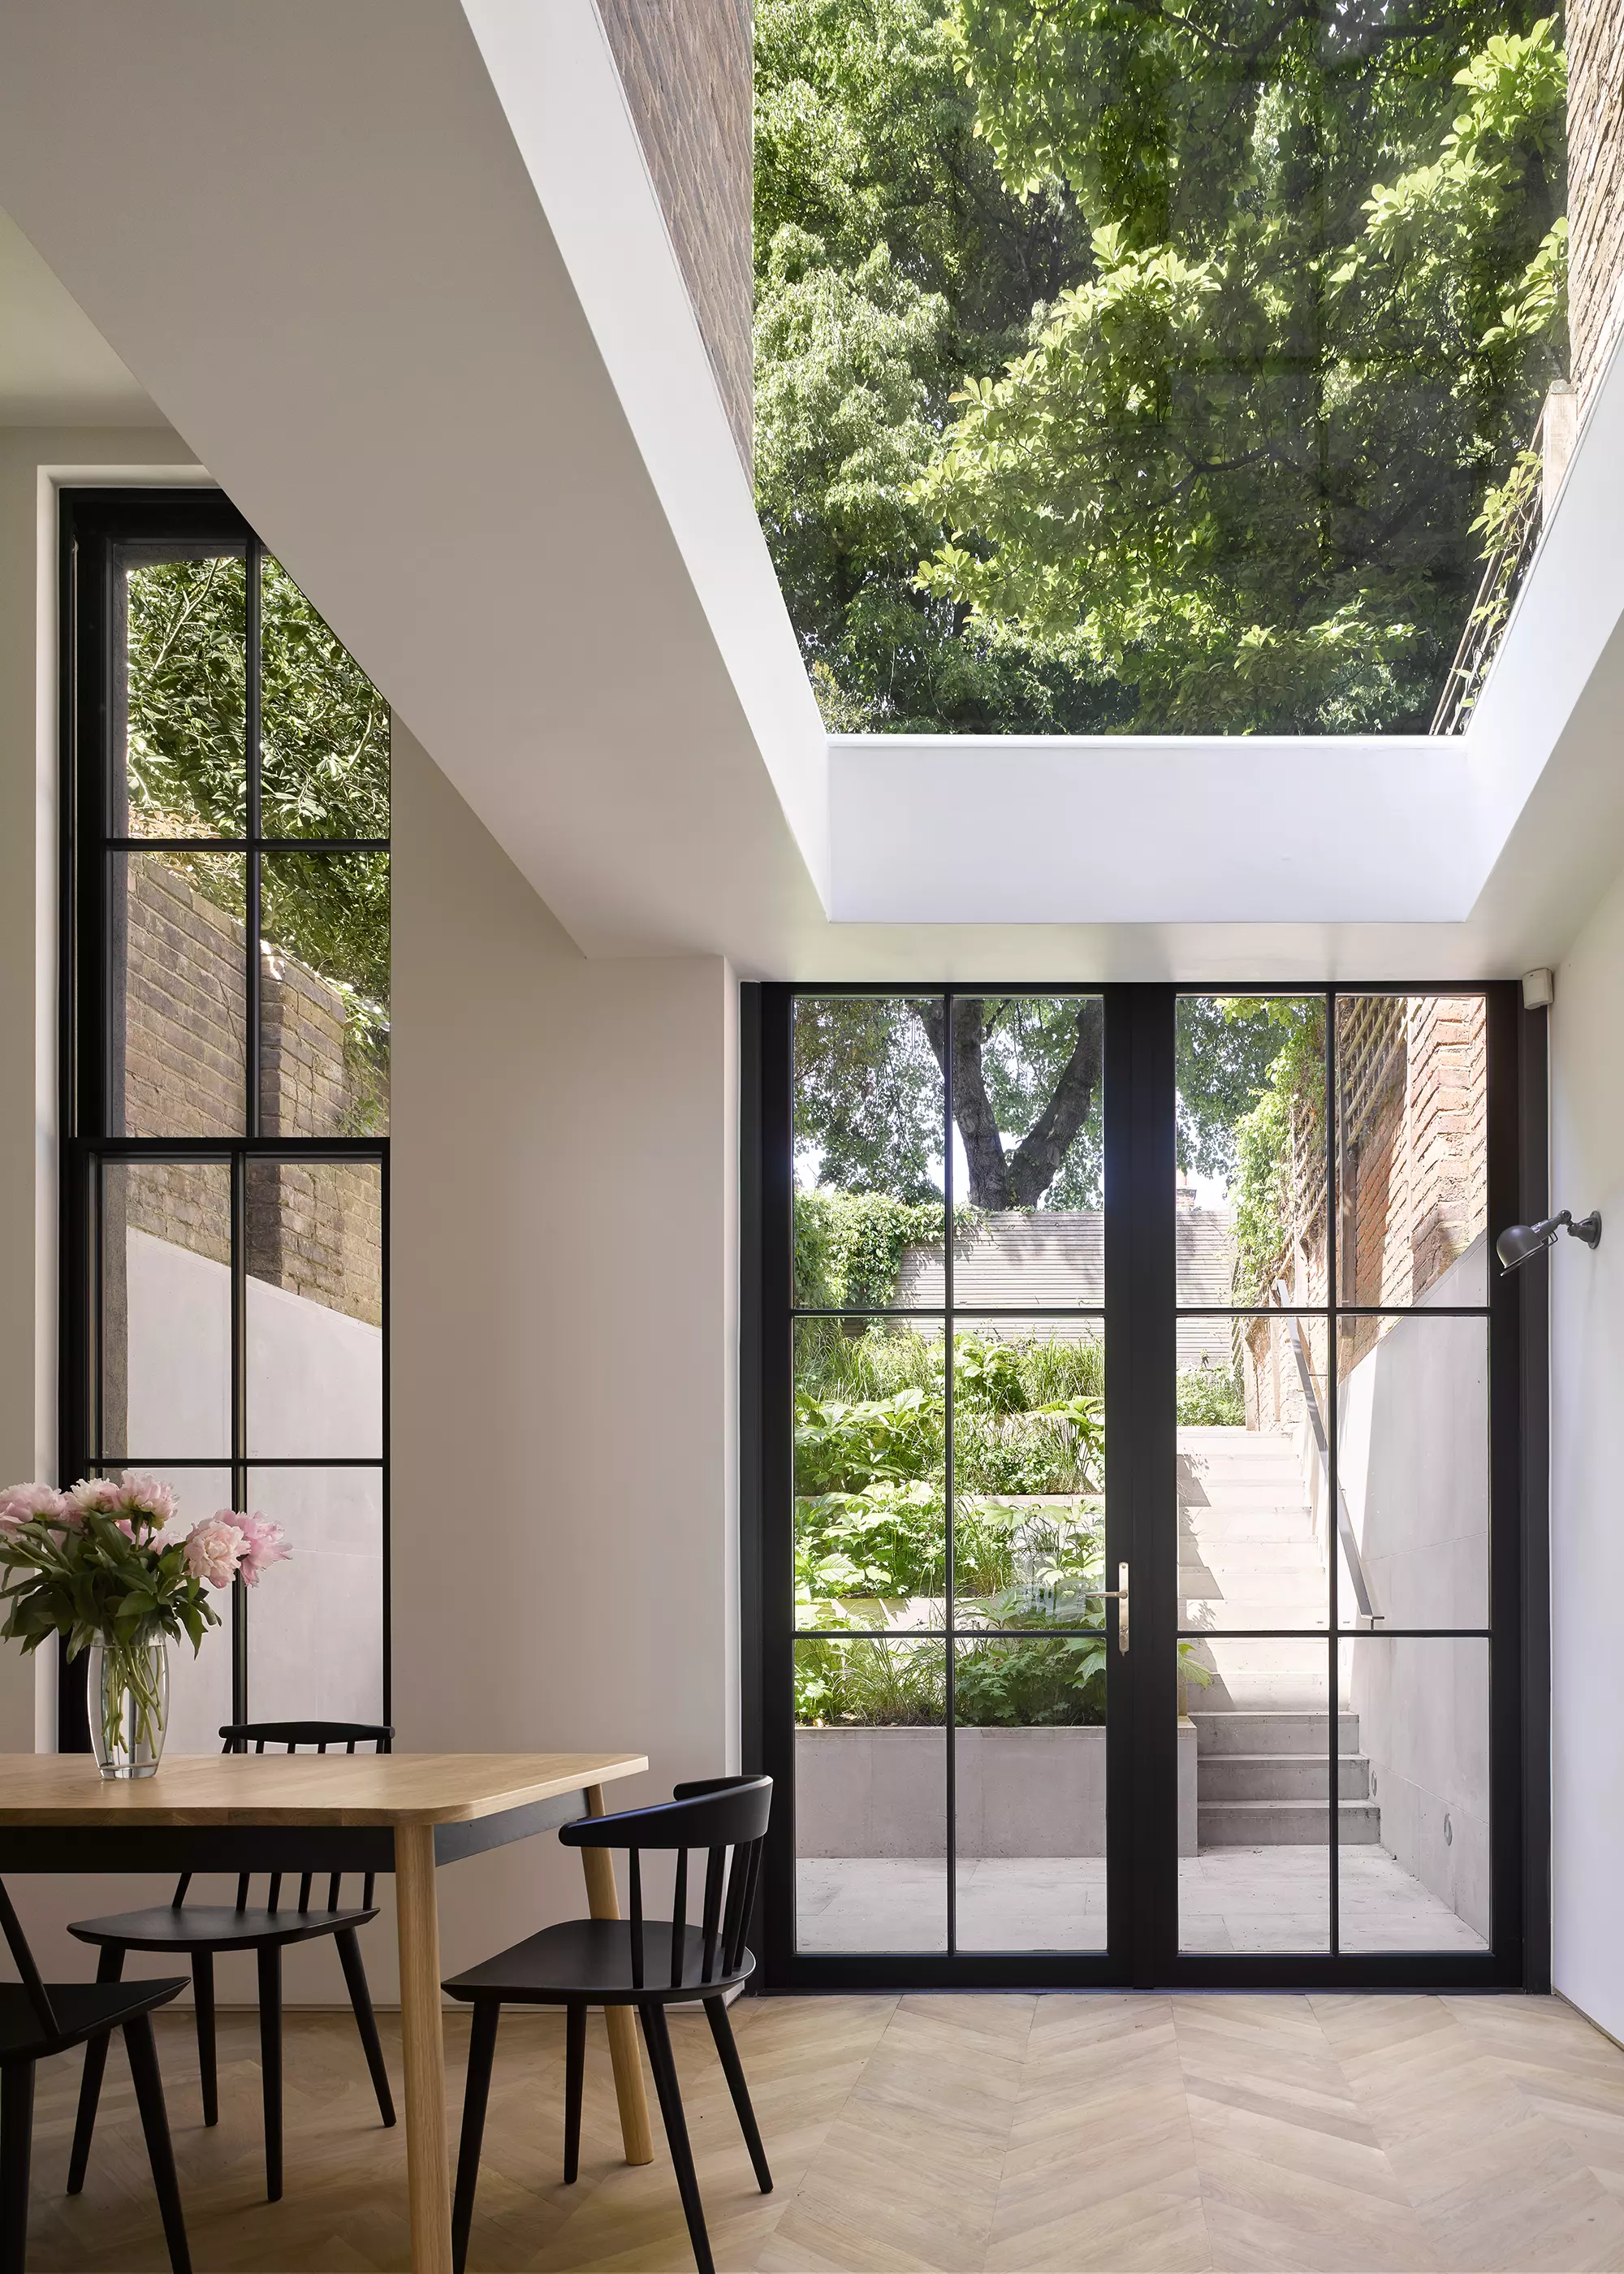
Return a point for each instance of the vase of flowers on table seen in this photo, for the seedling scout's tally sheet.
(111, 1566)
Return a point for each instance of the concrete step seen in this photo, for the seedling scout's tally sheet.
(1278, 1776)
(1280, 1559)
(1283, 1824)
(1227, 1492)
(1253, 1520)
(1274, 1733)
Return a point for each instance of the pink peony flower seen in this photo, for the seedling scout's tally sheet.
(144, 1496)
(214, 1547)
(23, 1503)
(263, 1545)
(102, 1495)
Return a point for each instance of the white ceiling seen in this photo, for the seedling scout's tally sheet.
(55, 368)
(428, 330)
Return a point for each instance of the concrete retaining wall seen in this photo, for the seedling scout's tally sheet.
(881, 1792)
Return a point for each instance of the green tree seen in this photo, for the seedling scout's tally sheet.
(890, 260)
(324, 762)
(1237, 467)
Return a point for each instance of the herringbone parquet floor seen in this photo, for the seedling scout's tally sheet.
(957, 2132)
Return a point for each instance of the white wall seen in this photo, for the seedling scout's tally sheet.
(1587, 1506)
(564, 1164)
(28, 776)
(315, 1624)
(564, 1332)
(1413, 1447)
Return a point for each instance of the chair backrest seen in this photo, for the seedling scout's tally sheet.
(238, 1737)
(726, 1816)
(17, 1942)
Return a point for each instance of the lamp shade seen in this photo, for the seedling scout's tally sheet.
(1519, 1241)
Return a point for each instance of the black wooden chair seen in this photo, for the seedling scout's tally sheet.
(649, 1963)
(38, 2019)
(205, 1929)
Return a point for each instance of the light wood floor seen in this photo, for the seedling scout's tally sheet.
(1011, 2133)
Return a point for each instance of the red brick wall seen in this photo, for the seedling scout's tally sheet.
(688, 69)
(1595, 186)
(314, 1230)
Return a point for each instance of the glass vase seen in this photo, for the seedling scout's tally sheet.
(129, 1703)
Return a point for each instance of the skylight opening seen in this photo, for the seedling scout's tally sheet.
(1126, 370)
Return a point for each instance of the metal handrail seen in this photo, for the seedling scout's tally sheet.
(1316, 1421)
(1540, 470)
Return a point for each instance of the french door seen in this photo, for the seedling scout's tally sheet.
(1142, 1579)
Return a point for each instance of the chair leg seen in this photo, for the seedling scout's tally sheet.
(16, 2146)
(203, 2002)
(361, 1999)
(143, 2053)
(476, 2092)
(575, 2082)
(270, 2063)
(109, 1966)
(733, 2068)
(656, 2036)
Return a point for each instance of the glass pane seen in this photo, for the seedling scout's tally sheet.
(1259, 1878)
(315, 1308)
(1028, 1472)
(324, 1034)
(871, 1796)
(323, 766)
(870, 1475)
(1412, 1402)
(166, 1309)
(200, 1687)
(1412, 1150)
(1028, 1151)
(315, 1621)
(1250, 1136)
(185, 771)
(1252, 1529)
(867, 1135)
(1414, 1854)
(178, 994)
(1029, 1790)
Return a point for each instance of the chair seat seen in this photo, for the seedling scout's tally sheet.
(83, 2009)
(213, 1926)
(592, 1958)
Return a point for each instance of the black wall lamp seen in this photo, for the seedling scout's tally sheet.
(1519, 1243)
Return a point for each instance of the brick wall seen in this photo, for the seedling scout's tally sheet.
(317, 1230)
(688, 68)
(1412, 1179)
(1595, 186)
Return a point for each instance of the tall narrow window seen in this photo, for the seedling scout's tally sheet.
(226, 1082)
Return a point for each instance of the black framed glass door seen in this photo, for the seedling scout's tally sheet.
(1202, 1663)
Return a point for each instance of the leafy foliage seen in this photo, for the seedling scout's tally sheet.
(324, 766)
(890, 260)
(1253, 302)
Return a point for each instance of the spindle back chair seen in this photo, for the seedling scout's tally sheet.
(38, 2019)
(637, 1961)
(201, 1930)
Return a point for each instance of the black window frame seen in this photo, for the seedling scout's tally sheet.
(1142, 1312)
(94, 528)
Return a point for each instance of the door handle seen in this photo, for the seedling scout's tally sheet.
(1118, 1594)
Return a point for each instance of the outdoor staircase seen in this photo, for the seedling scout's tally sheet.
(1248, 1557)
(1261, 1781)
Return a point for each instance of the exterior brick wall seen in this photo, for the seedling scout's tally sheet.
(1412, 1180)
(315, 1230)
(1595, 186)
(688, 69)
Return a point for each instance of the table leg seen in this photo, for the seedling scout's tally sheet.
(428, 2166)
(604, 1902)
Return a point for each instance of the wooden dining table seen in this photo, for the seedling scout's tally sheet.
(407, 1813)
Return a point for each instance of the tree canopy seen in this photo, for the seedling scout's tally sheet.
(1125, 366)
